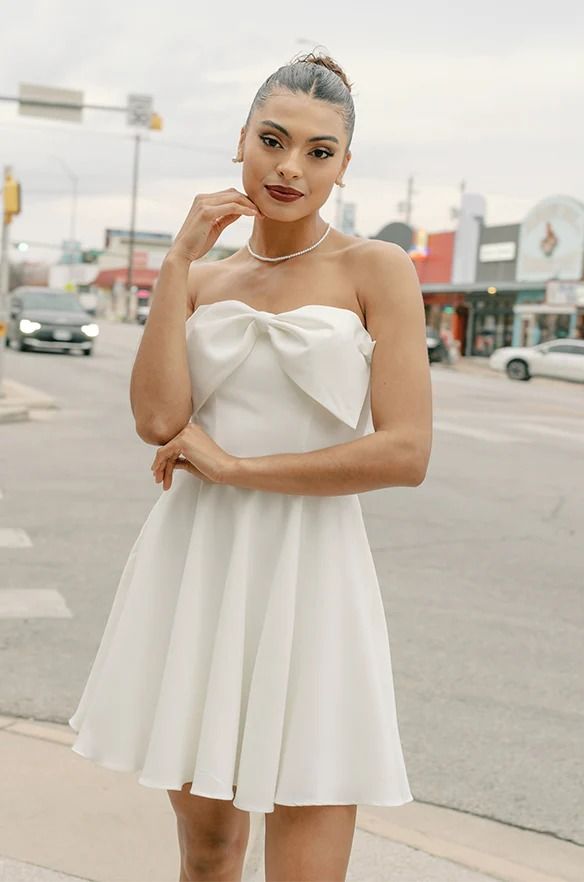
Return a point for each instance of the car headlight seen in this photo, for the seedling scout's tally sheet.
(27, 327)
(90, 330)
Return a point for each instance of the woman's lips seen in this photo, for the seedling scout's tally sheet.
(279, 196)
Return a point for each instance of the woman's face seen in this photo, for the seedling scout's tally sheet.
(291, 158)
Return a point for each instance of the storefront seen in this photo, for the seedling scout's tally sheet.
(559, 313)
(480, 318)
(446, 313)
(490, 320)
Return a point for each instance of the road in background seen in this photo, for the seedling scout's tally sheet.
(480, 566)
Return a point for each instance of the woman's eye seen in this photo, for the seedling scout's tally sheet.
(266, 138)
(322, 150)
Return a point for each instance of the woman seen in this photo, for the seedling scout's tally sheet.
(245, 666)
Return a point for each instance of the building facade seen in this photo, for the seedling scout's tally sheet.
(518, 284)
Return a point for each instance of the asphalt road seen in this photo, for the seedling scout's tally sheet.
(481, 570)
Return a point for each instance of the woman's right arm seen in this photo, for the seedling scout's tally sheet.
(160, 386)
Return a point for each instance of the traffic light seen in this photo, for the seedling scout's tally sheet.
(12, 197)
(155, 122)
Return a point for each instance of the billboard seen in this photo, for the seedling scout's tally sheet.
(551, 241)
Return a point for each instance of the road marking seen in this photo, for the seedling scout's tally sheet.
(477, 433)
(33, 603)
(548, 430)
(14, 538)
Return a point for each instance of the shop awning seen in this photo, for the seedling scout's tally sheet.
(143, 278)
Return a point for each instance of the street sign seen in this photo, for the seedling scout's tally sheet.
(139, 110)
(30, 92)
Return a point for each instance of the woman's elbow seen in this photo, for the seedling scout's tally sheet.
(418, 465)
(413, 459)
(153, 433)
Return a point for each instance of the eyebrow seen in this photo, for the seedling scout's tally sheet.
(275, 125)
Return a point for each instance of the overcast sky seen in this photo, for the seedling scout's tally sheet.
(489, 93)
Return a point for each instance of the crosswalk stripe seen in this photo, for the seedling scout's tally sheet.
(14, 537)
(33, 603)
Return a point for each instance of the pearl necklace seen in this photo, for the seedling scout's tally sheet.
(288, 256)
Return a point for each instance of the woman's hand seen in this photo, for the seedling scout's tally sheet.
(194, 451)
(209, 215)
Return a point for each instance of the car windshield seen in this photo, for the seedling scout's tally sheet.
(62, 300)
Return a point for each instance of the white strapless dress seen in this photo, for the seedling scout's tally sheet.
(247, 643)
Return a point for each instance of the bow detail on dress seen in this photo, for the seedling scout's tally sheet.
(324, 350)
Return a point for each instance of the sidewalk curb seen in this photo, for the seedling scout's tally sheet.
(479, 844)
(12, 414)
(15, 871)
(16, 393)
(19, 399)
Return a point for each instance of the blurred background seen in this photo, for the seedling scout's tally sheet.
(467, 153)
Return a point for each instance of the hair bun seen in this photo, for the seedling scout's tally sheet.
(325, 61)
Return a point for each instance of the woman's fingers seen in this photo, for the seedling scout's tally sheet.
(167, 477)
(166, 461)
(187, 466)
(184, 465)
(164, 455)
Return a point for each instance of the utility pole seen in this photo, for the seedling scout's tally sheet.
(339, 210)
(137, 140)
(406, 206)
(410, 193)
(11, 206)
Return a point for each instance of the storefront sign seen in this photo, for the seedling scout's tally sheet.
(565, 293)
(495, 251)
(551, 241)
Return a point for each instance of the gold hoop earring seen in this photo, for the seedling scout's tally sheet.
(340, 185)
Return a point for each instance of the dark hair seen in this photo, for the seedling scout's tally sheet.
(316, 75)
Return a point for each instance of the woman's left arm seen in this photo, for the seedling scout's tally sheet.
(397, 453)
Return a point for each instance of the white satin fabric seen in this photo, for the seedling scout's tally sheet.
(247, 643)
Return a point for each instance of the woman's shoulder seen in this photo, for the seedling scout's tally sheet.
(202, 274)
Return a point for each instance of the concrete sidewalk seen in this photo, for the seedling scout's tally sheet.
(64, 818)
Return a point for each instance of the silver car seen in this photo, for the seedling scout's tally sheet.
(562, 359)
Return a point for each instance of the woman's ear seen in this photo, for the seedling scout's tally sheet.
(241, 141)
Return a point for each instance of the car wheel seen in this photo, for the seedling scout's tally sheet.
(517, 370)
(88, 351)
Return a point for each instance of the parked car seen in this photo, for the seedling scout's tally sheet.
(436, 348)
(562, 359)
(49, 318)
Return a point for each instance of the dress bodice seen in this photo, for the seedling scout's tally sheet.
(266, 382)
